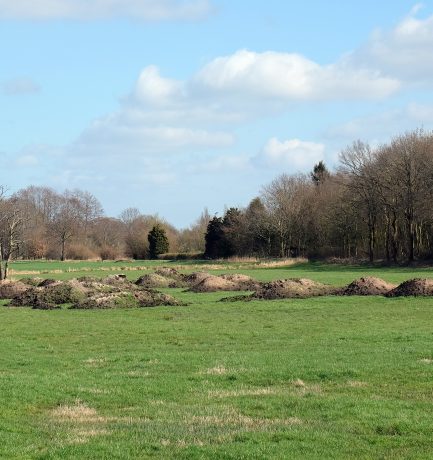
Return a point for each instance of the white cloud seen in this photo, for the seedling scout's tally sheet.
(152, 89)
(406, 51)
(18, 86)
(148, 10)
(293, 154)
(288, 77)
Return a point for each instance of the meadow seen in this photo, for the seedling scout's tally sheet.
(327, 377)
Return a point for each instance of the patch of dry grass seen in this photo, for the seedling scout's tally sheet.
(242, 392)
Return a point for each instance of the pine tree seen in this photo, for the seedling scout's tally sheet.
(214, 239)
(158, 242)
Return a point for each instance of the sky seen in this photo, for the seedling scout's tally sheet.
(172, 106)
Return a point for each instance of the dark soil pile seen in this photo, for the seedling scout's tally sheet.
(213, 284)
(47, 297)
(88, 293)
(144, 298)
(367, 286)
(414, 287)
(10, 289)
(292, 288)
(194, 278)
(48, 282)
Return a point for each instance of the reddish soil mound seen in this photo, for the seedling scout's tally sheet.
(292, 288)
(414, 287)
(214, 283)
(367, 286)
(10, 289)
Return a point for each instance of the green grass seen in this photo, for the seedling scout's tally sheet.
(329, 377)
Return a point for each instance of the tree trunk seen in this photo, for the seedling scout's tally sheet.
(62, 256)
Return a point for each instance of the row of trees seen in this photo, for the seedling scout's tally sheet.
(38, 222)
(377, 204)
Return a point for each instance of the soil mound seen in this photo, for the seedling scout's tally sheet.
(115, 279)
(31, 281)
(195, 278)
(414, 287)
(47, 297)
(154, 280)
(10, 289)
(168, 272)
(147, 298)
(48, 282)
(214, 283)
(368, 286)
(89, 293)
(292, 288)
(244, 282)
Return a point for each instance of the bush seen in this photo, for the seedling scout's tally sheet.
(109, 253)
(79, 251)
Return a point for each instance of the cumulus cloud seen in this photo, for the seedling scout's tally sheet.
(292, 77)
(292, 154)
(404, 51)
(18, 86)
(148, 10)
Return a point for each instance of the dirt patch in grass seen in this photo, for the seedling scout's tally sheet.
(414, 287)
(368, 286)
(77, 412)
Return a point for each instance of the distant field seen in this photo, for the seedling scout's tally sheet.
(328, 377)
(325, 273)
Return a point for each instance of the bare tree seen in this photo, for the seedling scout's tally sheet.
(11, 220)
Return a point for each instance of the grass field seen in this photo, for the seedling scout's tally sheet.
(329, 377)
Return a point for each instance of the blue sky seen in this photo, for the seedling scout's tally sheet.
(171, 106)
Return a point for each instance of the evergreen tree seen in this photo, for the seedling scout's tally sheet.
(320, 173)
(158, 242)
(214, 239)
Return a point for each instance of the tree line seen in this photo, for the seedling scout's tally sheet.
(377, 204)
(40, 223)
